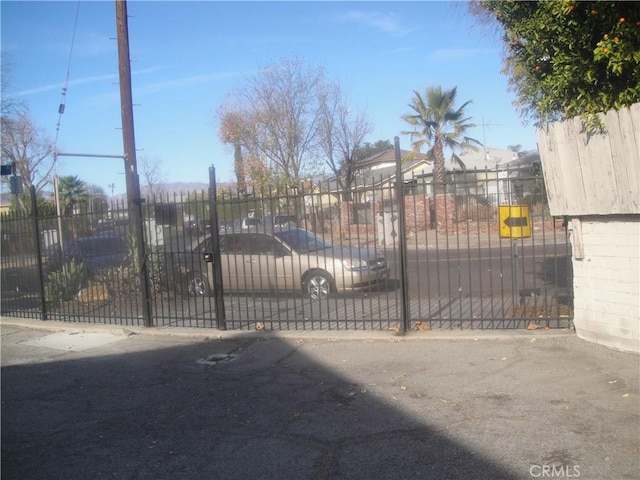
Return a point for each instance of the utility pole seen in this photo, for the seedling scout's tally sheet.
(126, 99)
(134, 200)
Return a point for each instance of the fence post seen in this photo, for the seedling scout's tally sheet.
(36, 229)
(221, 320)
(141, 254)
(404, 324)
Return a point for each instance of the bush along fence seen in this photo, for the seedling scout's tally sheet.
(485, 253)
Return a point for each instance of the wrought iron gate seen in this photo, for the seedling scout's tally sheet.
(483, 254)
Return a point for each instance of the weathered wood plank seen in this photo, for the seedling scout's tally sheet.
(552, 180)
(597, 169)
(570, 170)
(595, 174)
(625, 180)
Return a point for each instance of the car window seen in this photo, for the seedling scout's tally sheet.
(252, 244)
(207, 245)
(303, 241)
(103, 246)
(233, 244)
(264, 245)
(285, 219)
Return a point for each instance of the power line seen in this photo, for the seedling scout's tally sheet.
(66, 82)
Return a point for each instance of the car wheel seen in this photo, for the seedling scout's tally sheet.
(318, 285)
(198, 286)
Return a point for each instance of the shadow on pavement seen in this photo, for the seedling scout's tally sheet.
(215, 409)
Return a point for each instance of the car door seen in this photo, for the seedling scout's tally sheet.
(254, 261)
(274, 263)
(228, 261)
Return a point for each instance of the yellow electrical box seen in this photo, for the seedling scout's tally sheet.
(514, 221)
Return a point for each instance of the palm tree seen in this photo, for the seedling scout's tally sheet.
(71, 190)
(439, 125)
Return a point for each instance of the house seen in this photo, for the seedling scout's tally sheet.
(481, 178)
(378, 172)
(488, 172)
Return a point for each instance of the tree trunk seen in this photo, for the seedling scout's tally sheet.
(439, 172)
(239, 167)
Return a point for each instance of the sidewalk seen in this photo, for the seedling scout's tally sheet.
(97, 401)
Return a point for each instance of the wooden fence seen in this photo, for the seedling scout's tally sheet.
(593, 173)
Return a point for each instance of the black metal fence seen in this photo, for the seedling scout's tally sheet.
(485, 254)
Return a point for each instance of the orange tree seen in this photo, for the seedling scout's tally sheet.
(568, 58)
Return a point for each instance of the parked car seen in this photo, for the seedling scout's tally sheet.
(281, 221)
(247, 224)
(96, 253)
(224, 226)
(191, 225)
(285, 259)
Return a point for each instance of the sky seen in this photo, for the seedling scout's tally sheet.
(188, 56)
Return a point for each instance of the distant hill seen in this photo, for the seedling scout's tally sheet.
(175, 187)
(171, 189)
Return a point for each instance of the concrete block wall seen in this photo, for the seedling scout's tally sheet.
(606, 270)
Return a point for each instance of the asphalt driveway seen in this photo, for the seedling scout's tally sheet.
(87, 401)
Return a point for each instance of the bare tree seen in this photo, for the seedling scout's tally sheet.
(151, 171)
(281, 115)
(29, 149)
(341, 134)
(11, 106)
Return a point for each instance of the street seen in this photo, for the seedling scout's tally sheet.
(484, 271)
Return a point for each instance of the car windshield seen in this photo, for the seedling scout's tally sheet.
(303, 241)
(103, 246)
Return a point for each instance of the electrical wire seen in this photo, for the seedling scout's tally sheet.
(61, 108)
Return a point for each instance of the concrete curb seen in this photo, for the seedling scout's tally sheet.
(329, 335)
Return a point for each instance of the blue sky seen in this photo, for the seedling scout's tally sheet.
(186, 56)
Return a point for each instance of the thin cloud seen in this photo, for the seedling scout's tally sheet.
(82, 81)
(60, 85)
(385, 22)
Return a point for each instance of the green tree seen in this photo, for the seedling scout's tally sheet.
(71, 190)
(568, 58)
(369, 149)
(439, 125)
(95, 199)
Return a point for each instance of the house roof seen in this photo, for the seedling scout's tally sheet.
(388, 158)
(485, 158)
(525, 160)
(381, 166)
(372, 177)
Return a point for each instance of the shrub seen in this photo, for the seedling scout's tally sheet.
(62, 285)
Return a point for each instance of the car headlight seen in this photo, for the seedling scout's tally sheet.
(354, 263)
